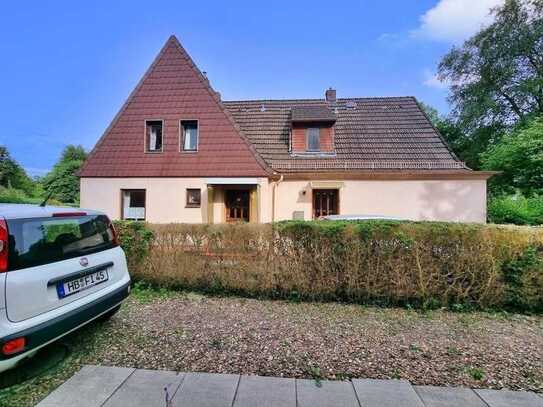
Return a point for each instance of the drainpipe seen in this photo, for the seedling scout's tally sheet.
(275, 184)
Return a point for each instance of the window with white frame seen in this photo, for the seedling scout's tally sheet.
(133, 204)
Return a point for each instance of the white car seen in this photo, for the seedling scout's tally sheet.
(60, 268)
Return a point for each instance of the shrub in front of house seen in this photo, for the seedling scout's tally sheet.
(516, 209)
(421, 264)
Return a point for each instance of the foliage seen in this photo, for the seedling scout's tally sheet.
(466, 147)
(496, 76)
(424, 264)
(12, 175)
(12, 195)
(62, 181)
(135, 239)
(516, 209)
(519, 156)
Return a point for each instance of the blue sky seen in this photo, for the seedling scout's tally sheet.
(67, 66)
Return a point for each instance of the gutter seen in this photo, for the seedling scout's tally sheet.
(275, 184)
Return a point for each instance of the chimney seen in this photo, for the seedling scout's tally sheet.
(330, 95)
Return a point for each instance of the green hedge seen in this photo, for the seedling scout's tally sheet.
(420, 264)
(517, 210)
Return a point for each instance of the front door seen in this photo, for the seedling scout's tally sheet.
(236, 203)
(325, 202)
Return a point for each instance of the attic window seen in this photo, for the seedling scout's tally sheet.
(189, 134)
(313, 139)
(153, 136)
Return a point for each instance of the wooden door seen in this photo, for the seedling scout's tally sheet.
(325, 202)
(236, 202)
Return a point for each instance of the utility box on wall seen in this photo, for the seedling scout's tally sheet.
(298, 215)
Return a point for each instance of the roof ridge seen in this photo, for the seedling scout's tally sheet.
(316, 99)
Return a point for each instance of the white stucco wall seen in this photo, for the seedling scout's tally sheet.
(444, 200)
(165, 198)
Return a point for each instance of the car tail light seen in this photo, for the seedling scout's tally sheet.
(66, 214)
(14, 346)
(4, 239)
(114, 234)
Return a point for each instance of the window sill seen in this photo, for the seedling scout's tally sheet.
(154, 152)
(189, 151)
(192, 206)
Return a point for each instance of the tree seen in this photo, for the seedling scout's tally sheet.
(519, 155)
(12, 175)
(467, 148)
(62, 181)
(496, 76)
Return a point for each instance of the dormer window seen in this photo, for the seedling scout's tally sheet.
(313, 136)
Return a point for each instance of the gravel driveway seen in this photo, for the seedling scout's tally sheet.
(189, 332)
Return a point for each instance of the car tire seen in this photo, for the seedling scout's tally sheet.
(107, 316)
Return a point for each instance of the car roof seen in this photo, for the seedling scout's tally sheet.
(19, 211)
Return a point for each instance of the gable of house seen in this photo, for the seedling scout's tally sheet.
(173, 90)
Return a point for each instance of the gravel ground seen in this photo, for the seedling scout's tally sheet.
(191, 332)
(234, 335)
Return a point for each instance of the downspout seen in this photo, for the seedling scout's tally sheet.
(275, 184)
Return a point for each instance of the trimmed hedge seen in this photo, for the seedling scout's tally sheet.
(422, 264)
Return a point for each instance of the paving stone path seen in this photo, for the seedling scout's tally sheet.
(95, 386)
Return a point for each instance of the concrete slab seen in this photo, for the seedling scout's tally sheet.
(90, 387)
(329, 394)
(145, 388)
(260, 391)
(507, 398)
(434, 396)
(206, 390)
(386, 393)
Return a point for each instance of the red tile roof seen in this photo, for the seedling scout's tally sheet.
(370, 134)
(173, 89)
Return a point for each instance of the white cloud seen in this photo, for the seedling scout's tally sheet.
(455, 20)
(431, 80)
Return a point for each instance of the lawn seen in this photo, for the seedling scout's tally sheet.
(191, 332)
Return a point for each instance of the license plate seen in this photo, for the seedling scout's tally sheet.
(67, 288)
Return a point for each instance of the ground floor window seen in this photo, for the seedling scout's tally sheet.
(325, 202)
(133, 205)
(194, 198)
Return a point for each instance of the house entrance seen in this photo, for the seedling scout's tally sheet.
(236, 202)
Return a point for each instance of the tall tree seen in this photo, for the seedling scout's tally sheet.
(519, 158)
(12, 175)
(62, 181)
(496, 77)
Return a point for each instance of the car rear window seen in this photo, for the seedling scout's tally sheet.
(37, 241)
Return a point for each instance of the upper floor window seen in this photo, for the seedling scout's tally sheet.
(189, 134)
(313, 139)
(153, 136)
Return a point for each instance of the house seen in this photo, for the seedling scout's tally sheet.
(176, 153)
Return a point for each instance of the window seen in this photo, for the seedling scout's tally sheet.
(189, 135)
(325, 202)
(313, 139)
(133, 204)
(38, 241)
(193, 198)
(153, 136)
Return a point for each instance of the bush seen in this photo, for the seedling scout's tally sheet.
(135, 239)
(421, 264)
(516, 209)
(12, 195)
